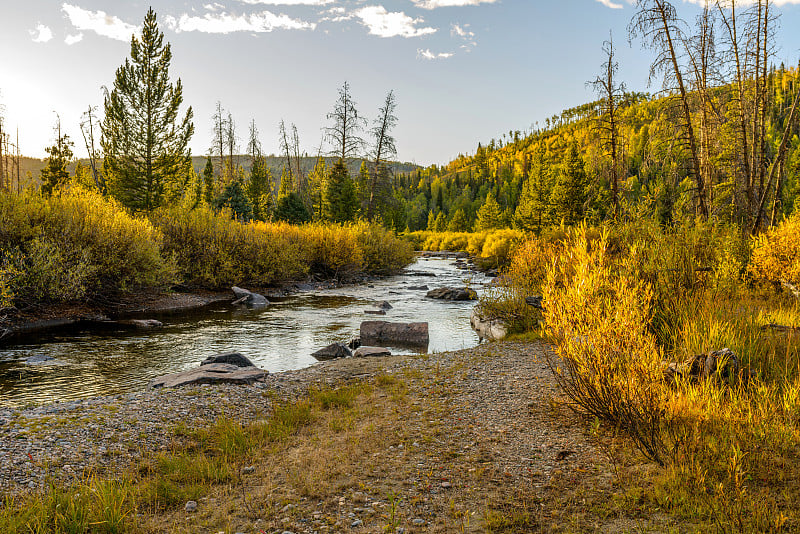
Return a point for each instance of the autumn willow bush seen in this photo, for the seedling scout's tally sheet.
(212, 250)
(78, 245)
(75, 245)
(620, 306)
(496, 245)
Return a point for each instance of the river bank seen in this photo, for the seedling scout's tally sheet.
(473, 440)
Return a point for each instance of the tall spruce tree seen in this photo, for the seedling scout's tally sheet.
(340, 203)
(59, 156)
(144, 143)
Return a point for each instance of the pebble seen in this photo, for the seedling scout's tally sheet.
(190, 506)
(249, 470)
(356, 523)
(418, 522)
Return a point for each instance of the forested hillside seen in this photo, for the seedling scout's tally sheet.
(563, 172)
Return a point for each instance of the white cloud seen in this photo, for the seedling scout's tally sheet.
(41, 34)
(433, 4)
(72, 39)
(99, 22)
(213, 7)
(462, 31)
(385, 24)
(265, 21)
(427, 54)
(289, 2)
(609, 3)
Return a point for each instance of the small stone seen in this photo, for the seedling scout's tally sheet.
(190, 506)
(249, 470)
(287, 508)
(447, 485)
(356, 523)
(418, 522)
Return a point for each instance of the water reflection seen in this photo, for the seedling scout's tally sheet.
(85, 363)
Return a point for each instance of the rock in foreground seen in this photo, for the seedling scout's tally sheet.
(450, 293)
(365, 352)
(212, 373)
(378, 333)
(231, 358)
(333, 351)
(487, 327)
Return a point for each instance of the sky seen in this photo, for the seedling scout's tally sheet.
(463, 71)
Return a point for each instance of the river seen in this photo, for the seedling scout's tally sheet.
(80, 363)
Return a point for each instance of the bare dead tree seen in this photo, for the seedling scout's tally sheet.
(384, 149)
(218, 131)
(610, 93)
(286, 149)
(253, 143)
(300, 177)
(656, 22)
(231, 141)
(88, 125)
(347, 125)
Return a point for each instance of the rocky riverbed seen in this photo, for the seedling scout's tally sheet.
(482, 424)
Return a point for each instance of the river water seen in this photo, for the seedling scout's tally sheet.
(86, 363)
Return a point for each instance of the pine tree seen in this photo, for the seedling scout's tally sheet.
(59, 156)
(290, 208)
(286, 186)
(259, 186)
(316, 187)
(431, 227)
(208, 181)
(488, 215)
(233, 196)
(340, 202)
(440, 223)
(363, 186)
(569, 195)
(144, 144)
(458, 222)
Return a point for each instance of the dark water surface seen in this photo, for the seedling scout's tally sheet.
(87, 363)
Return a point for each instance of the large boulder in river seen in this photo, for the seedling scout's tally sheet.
(488, 327)
(231, 358)
(213, 373)
(450, 293)
(248, 298)
(366, 352)
(379, 333)
(333, 351)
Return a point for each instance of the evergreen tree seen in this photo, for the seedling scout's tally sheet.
(286, 186)
(431, 222)
(569, 195)
(488, 215)
(363, 186)
(290, 208)
(59, 156)
(208, 181)
(340, 202)
(316, 187)
(144, 144)
(260, 185)
(233, 196)
(440, 223)
(458, 222)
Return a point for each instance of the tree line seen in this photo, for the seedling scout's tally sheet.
(718, 139)
(139, 152)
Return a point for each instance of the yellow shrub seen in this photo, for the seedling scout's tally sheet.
(500, 244)
(776, 253)
(382, 252)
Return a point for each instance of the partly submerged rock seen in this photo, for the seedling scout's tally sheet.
(365, 352)
(378, 333)
(42, 359)
(375, 312)
(418, 288)
(333, 351)
(383, 305)
(140, 324)
(231, 358)
(450, 293)
(248, 298)
(213, 373)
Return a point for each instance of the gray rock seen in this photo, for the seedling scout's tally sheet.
(721, 364)
(450, 293)
(384, 305)
(418, 522)
(190, 506)
(378, 333)
(365, 352)
(213, 373)
(248, 298)
(487, 327)
(418, 288)
(375, 312)
(333, 351)
(231, 358)
(41, 359)
(357, 523)
(249, 470)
